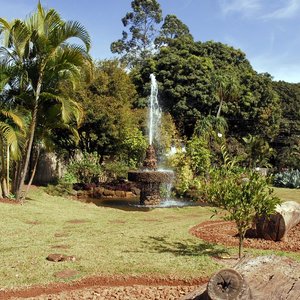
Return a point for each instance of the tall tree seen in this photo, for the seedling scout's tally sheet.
(171, 29)
(12, 131)
(137, 43)
(286, 143)
(225, 89)
(39, 46)
(185, 71)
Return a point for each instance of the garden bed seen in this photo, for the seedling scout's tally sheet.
(225, 233)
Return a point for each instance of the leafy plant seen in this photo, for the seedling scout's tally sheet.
(288, 179)
(243, 194)
(199, 153)
(86, 169)
(116, 169)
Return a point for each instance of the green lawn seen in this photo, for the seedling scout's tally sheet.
(106, 241)
(288, 194)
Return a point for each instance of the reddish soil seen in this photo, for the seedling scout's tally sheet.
(114, 287)
(225, 233)
(10, 201)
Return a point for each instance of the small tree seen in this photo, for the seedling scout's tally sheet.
(245, 195)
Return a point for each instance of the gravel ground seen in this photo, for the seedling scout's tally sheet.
(137, 292)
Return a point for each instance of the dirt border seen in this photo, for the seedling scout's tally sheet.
(98, 281)
(225, 233)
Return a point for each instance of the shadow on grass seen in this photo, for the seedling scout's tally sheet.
(188, 248)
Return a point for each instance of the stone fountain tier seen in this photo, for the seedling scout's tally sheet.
(151, 176)
(149, 179)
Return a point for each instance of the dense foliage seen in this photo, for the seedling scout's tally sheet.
(40, 56)
(53, 96)
(287, 142)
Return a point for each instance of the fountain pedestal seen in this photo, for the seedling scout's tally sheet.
(149, 179)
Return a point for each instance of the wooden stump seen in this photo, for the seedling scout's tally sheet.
(262, 278)
(228, 284)
(276, 226)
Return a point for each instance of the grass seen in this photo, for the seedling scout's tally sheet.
(288, 194)
(105, 241)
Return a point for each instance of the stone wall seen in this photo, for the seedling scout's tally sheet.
(101, 192)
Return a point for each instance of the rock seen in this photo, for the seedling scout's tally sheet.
(110, 193)
(129, 195)
(55, 257)
(98, 192)
(120, 194)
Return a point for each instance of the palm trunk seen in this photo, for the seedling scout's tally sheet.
(3, 171)
(219, 110)
(33, 170)
(7, 167)
(32, 127)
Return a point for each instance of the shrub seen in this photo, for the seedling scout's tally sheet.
(199, 153)
(245, 195)
(60, 189)
(86, 169)
(116, 169)
(288, 179)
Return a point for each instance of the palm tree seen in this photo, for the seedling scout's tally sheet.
(12, 129)
(40, 48)
(225, 89)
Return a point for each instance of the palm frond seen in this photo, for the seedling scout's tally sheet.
(69, 109)
(71, 29)
(15, 117)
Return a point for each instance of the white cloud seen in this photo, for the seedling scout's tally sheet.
(289, 10)
(261, 9)
(244, 7)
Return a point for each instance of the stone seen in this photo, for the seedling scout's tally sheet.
(55, 257)
(120, 194)
(107, 192)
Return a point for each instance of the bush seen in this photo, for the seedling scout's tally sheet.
(245, 195)
(288, 179)
(116, 169)
(86, 169)
(60, 189)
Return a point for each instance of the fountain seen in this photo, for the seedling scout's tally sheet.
(149, 178)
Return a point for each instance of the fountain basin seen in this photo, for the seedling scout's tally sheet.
(151, 176)
(149, 182)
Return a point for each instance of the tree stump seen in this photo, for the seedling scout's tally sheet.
(276, 226)
(228, 284)
(261, 278)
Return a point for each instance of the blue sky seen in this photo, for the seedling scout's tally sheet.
(268, 31)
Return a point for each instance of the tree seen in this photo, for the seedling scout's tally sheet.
(244, 195)
(109, 120)
(12, 131)
(286, 143)
(225, 88)
(185, 71)
(171, 29)
(39, 47)
(137, 44)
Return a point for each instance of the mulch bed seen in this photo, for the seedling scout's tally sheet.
(225, 233)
